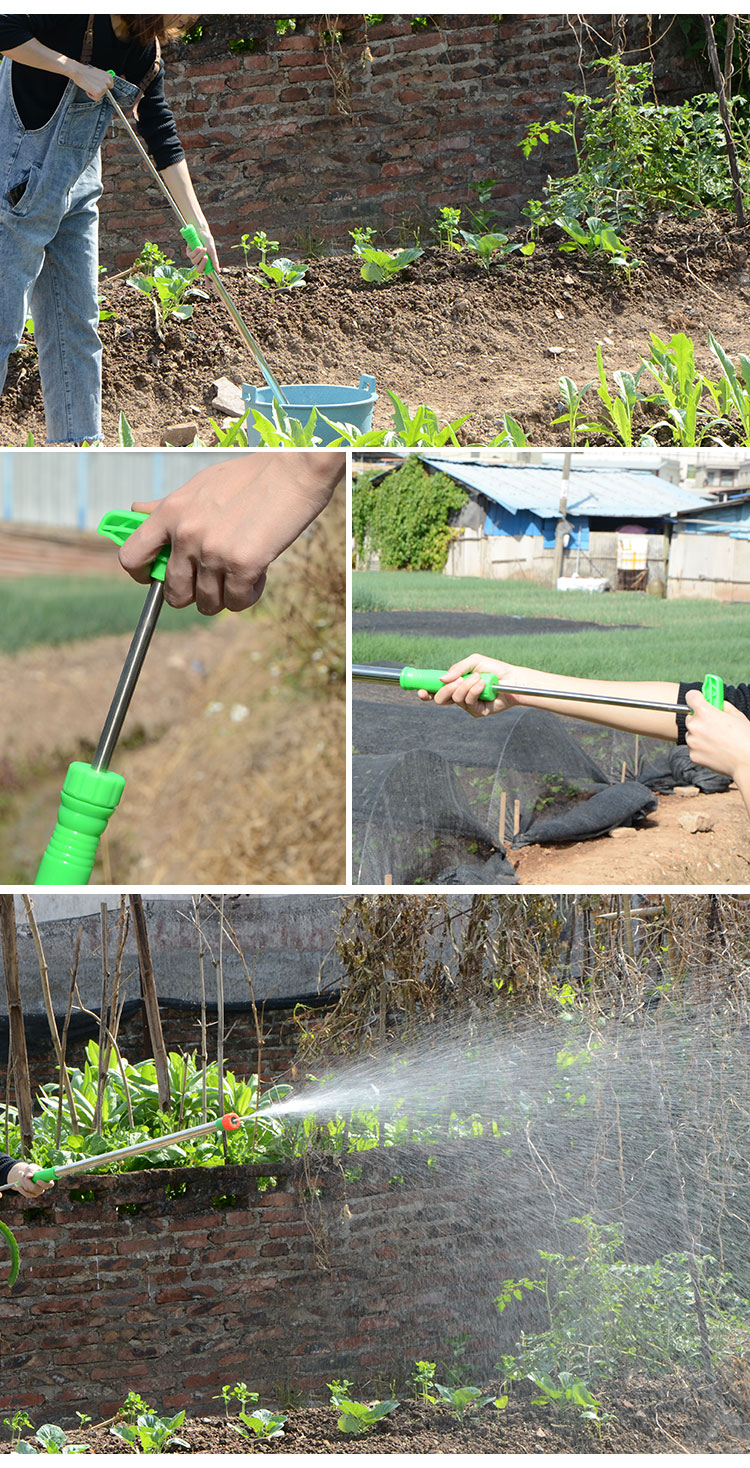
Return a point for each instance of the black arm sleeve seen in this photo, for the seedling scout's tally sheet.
(739, 697)
(6, 1163)
(156, 125)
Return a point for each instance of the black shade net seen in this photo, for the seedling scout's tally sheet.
(428, 786)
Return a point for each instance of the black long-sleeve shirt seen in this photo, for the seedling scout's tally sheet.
(6, 1163)
(739, 697)
(37, 93)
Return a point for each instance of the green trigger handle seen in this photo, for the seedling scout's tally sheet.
(194, 242)
(45, 1175)
(119, 525)
(713, 690)
(432, 680)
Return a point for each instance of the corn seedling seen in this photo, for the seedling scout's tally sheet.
(380, 266)
(572, 397)
(733, 390)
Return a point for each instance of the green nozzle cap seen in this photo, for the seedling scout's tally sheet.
(194, 242)
(119, 525)
(713, 690)
(432, 681)
(87, 800)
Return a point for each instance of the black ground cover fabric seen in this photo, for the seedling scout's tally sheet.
(472, 624)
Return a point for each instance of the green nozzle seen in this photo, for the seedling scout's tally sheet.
(713, 690)
(87, 800)
(45, 1175)
(119, 525)
(432, 681)
(194, 242)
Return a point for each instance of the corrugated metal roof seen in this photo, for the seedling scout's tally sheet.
(627, 493)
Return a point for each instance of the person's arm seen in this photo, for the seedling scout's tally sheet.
(177, 178)
(229, 522)
(90, 79)
(465, 692)
(20, 1176)
(720, 740)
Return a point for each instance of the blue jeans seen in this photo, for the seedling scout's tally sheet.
(50, 183)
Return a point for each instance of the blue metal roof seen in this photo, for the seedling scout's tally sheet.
(625, 493)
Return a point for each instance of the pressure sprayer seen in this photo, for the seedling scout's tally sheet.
(432, 681)
(91, 793)
(194, 242)
(230, 1122)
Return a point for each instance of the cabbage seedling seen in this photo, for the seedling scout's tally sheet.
(381, 265)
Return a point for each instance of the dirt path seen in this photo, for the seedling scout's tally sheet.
(446, 333)
(663, 853)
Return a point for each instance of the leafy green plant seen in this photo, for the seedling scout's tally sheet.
(462, 1399)
(380, 266)
(483, 216)
(672, 366)
(423, 1377)
(18, 1423)
(359, 1417)
(361, 237)
(258, 241)
(240, 1392)
(596, 238)
(281, 274)
(51, 1439)
(151, 1433)
(405, 519)
(262, 1423)
(493, 249)
(151, 256)
(733, 391)
(168, 287)
(572, 397)
(446, 228)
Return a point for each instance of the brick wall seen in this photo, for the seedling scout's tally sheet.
(173, 1283)
(305, 141)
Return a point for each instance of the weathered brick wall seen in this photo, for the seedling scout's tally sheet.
(173, 1283)
(305, 141)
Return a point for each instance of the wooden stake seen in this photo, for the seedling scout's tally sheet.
(21, 1079)
(503, 810)
(726, 120)
(49, 1008)
(150, 1000)
(516, 817)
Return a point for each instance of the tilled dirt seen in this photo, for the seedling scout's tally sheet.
(679, 1413)
(446, 333)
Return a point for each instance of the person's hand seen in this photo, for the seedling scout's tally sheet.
(21, 1176)
(200, 256)
(718, 738)
(466, 691)
(93, 82)
(228, 523)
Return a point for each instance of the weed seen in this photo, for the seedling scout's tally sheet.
(423, 1377)
(446, 228)
(361, 238)
(17, 1424)
(240, 1392)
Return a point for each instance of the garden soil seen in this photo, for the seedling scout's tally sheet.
(446, 333)
(679, 1413)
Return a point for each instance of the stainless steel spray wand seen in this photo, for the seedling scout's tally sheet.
(194, 241)
(432, 681)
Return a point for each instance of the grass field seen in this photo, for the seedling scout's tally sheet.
(57, 609)
(674, 640)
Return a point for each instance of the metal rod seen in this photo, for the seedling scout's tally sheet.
(375, 674)
(129, 676)
(154, 1144)
(218, 285)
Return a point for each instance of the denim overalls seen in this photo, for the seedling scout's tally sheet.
(50, 181)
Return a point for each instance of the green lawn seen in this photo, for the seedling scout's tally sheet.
(55, 609)
(675, 640)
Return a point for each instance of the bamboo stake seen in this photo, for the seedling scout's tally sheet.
(101, 1080)
(503, 809)
(17, 1050)
(196, 902)
(151, 1002)
(52, 1022)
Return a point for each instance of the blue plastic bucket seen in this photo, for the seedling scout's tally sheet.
(352, 405)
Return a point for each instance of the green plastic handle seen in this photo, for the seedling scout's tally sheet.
(87, 800)
(432, 681)
(194, 242)
(45, 1175)
(119, 525)
(713, 690)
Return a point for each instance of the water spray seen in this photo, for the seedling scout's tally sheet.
(230, 1122)
(194, 242)
(91, 792)
(431, 680)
